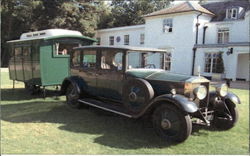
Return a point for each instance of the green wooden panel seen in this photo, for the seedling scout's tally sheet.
(53, 69)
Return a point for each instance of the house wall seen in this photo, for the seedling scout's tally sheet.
(180, 42)
(133, 32)
(238, 30)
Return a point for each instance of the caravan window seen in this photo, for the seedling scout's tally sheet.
(65, 48)
(26, 51)
(18, 52)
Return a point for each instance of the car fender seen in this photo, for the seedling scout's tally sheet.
(230, 96)
(180, 101)
(76, 81)
(233, 98)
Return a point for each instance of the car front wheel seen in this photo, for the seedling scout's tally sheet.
(72, 97)
(171, 123)
(226, 119)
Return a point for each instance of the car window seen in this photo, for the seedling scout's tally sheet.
(111, 60)
(76, 59)
(89, 59)
(145, 60)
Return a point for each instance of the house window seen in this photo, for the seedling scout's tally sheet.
(167, 25)
(213, 63)
(142, 38)
(232, 13)
(167, 61)
(98, 41)
(126, 39)
(223, 35)
(111, 40)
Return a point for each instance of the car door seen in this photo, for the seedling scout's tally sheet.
(88, 70)
(110, 75)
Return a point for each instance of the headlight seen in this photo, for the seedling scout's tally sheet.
(222, 90)
(200, 92)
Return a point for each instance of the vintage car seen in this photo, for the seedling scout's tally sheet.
(132, 82)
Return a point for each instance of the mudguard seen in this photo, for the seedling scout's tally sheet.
(180, 101)
(76, 81)
(233, 98)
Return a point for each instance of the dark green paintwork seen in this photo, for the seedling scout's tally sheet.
(160, 75)
(55, 68)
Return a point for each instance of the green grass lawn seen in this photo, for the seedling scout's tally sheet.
(32, 125)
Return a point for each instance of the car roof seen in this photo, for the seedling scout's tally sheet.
(128, 48)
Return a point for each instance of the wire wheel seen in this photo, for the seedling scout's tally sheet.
(137, 93)
(72, 97)
(171, 123)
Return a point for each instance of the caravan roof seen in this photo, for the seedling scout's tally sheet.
(51, 34)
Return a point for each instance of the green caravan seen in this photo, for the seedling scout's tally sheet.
(42, 58)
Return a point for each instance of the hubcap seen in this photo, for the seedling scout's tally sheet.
(132, 96)
(165, 124)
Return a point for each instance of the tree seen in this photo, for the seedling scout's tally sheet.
(21, 16)
(16, 18)
(130, 12)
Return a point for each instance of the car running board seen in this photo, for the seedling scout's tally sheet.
(105, 106)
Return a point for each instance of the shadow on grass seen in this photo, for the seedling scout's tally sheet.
(17, 94)
(115, 131)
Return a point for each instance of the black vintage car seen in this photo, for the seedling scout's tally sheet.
(130, 81)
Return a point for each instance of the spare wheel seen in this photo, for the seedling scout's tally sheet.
(136, 94)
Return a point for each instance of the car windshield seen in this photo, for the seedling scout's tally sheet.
(145, 60)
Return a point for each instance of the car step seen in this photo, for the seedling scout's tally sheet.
(105, 106)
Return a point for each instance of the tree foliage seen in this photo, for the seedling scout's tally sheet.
(20, 16)
(130, 12)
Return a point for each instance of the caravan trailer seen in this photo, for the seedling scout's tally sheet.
(42, 58)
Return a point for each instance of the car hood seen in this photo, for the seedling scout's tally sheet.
(162, 75)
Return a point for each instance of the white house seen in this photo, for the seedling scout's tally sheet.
(194, 36)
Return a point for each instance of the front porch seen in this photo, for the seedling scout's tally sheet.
(235, 60)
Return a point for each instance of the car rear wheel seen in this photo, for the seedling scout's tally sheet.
(72, 97)
(224, 120)
(171, 123)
